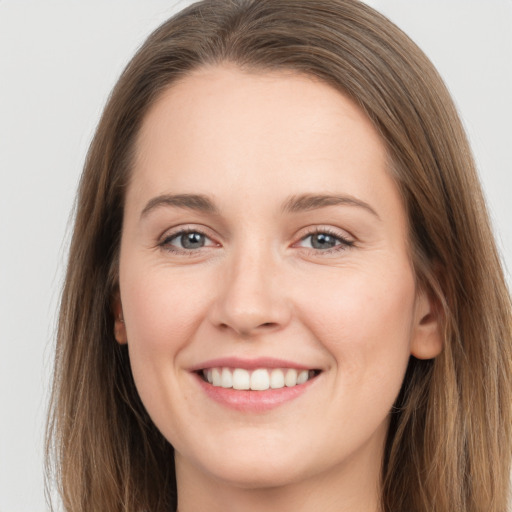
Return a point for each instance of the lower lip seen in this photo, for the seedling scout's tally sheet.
(254, 401)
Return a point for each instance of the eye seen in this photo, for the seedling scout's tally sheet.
(186, 240)
(325, 241)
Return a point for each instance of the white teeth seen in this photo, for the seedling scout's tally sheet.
(226, 379)
(260, 379)
(216, 378)
(302, 376)
(277, 379)
(241, 379)
(290, 378)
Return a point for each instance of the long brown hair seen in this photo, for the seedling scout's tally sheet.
(449, 442)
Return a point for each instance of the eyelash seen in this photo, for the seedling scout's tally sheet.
(343, 244)
(166, 242)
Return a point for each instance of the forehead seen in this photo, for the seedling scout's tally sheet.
(258, 102)
(221, 125)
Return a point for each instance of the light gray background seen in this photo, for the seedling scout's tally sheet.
(58, 62)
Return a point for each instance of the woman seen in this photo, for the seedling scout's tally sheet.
(283, 291)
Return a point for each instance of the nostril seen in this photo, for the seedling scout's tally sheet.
(247, 327)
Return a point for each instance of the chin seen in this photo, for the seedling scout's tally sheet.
(252, 475)
(258, 467)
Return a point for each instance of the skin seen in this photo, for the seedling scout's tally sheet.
(259, 287)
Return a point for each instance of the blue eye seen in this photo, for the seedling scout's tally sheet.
(325, 242)
(191, 240)
(186, 241)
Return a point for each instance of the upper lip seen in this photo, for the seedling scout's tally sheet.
(250, 364)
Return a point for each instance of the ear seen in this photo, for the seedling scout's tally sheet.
(119, 325)
(427, 340)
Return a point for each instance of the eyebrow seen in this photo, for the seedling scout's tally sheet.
(307, 202)
(196, 202)
(295, 204)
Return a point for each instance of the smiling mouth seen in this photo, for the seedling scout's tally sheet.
(260, 379)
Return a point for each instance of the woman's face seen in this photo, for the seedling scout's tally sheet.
(264, 243)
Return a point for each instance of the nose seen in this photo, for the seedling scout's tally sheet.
(251, 298)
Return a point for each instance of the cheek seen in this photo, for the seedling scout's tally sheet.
(365, 321)
(162, 313)
(162, 309)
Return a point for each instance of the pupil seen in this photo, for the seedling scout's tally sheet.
(192, 240)
(323, 241)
